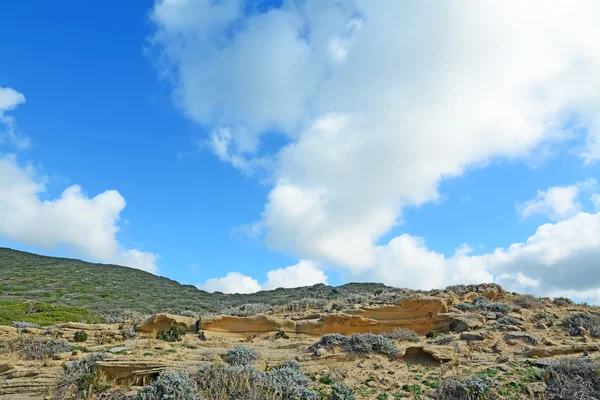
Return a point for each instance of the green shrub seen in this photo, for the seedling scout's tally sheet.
(473, 388)
(80, 336)
(170, 385)
(79, 374)
(42, 314)
(39, 347)
(431, 335)
(562, 301)
(589, 321)
(341, 391)
(289, 383)
(172, 334)
(241, 356)
(573, 378)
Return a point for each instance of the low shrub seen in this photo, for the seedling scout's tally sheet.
(80, 336)
(573, 378)
(23, 325)
(562, 301)
(473, 388)
(505, 321)
(39, 347)
(588, 321)
(175, 385)
(172, 334)
(241, 356)
(289, 383)
(444, 340)
(431, 335)
(128, 333)
(305, 304)
(528, 301)
(404, 334)
(231, 382)
(544, 317)
(246, 310)
(78, 377)
(341, 391)
(483, 304)
(357, 343)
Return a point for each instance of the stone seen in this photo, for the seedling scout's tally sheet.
(164, 321)
(248, 325)
(320, 351)
(547, 351)
(526, 337)
(470, 336)
(465, 322)
(62, 356)
(510, 328)
(119, 349)
(130, 372)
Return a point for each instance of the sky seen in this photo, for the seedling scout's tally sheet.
(248, 145)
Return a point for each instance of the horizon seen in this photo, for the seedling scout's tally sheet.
(241, 146)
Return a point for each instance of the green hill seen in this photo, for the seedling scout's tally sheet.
(55, 284)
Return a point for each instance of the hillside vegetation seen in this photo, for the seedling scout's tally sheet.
(67, 288)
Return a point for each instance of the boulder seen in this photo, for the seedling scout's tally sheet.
(466, 322)
(526, 337)
(248, 325)
(130, 372)
(470, 336)
(553, 351)
(163, 321)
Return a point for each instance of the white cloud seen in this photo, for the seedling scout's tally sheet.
(9, 100)
(234, 282)
(596, 201)
(557, 202)
(86, 226)
(304, 273)
(378, 116)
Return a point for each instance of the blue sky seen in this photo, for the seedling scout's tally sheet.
(290, 144)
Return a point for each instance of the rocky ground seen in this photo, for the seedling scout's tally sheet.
(496, 345)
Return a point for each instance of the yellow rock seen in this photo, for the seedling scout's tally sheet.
(164, 321)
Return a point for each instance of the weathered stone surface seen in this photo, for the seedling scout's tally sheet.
(164, 321)
(466, 322)
(27, 383)
(473, 336)
(529, 338)
(89, 327)
(562, 350)
(130, 372)
(247, 325)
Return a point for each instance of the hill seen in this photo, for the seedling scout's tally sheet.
(61, 282)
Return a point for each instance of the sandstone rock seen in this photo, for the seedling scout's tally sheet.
(546, 351)
(165, 321)
(119, 349)
(466, 322)
(493, 293)
(536, 390)
(62, 356)
(130, 372)
(89, 327)
(32, 331)
(529, 338)
(248, 325)
(473, 336)
(26, 383)
(509, 328)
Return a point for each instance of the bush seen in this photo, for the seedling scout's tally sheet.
(38, 347)
(172, 334)
(22, 325)
(231, 382)
(444, 340)
(170, 385)
(80, 336)
(573, 378)
(562, 301)
(128, 333)
(431, 335)
(588, 321)
(473, 388)
(246, 310)
(79, 375)
(290, 383)
(357, 343)
(241, 356)
(404, 334)
(528, 301)
(355, 298)
(305, 304)
(483, 303)
(505, 321)
(341, 391)
(544, 317)
(387, 298)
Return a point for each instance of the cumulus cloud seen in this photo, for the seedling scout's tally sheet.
(305, 273)
(380, 102)
(9, 100)
(596, 201)
(86, 226)
(557, 202)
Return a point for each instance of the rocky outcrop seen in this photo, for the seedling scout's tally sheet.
(247, 325)
(552, 351)
(130, 372)
(466, 322)
(22, 382)
(163, 321)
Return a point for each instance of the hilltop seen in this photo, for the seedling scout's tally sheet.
(107, 289)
